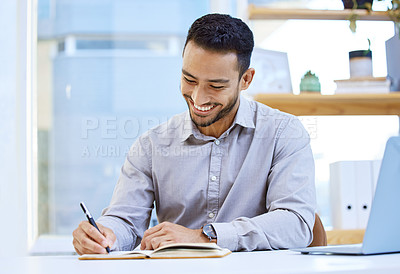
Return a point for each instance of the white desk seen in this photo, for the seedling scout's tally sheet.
(243, 263)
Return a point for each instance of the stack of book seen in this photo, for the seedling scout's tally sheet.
(363, 85)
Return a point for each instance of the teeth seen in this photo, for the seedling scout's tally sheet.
(203, 108)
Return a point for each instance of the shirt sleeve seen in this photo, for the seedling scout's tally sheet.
(128, 214)
(290, 200)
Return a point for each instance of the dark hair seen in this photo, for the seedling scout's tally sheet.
(223, 33)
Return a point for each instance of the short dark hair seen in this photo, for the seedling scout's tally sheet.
(223, 33)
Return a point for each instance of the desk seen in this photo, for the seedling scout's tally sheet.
(242, 262)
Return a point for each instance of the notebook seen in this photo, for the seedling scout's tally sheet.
(171, 251)
(383, 229)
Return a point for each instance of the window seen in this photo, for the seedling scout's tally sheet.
(100, 66)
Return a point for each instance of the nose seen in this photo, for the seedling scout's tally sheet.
(200, 96)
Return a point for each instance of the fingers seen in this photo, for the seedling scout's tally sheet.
(150, 234)
(160, 235)
(87, 239)
(157, 241)
(87, 248)
(154, 229)
(93, 233)
(153, 241)
(108, 234)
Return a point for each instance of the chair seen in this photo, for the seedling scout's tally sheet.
(319, 233)
(345, 236)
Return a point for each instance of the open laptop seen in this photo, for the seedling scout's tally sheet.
(383, 229)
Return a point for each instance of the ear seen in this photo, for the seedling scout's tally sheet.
(247, 78)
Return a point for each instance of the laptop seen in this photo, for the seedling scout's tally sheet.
(383, 229)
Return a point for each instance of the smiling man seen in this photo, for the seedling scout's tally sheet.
(211, 85)
(228, 170)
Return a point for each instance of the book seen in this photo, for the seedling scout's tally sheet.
(363, 85)
(171, 251)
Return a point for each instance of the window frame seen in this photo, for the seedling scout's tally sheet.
(19, 163)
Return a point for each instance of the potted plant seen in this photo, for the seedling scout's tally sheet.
(360, 62)
(393, 11)
(357, 4)
(392, 45)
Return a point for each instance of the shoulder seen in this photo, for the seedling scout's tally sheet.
(264, 111)
(267, 119)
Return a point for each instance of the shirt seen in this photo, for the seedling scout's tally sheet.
(254, 184)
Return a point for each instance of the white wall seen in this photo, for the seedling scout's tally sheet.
(15, 126)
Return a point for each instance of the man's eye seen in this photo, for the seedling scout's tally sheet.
(189, 81)
(217, 87)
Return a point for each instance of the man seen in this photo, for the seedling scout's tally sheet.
(229, 170)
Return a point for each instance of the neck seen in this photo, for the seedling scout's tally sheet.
(222, 125)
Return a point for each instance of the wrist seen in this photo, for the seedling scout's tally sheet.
(202, 238)
(209, 233)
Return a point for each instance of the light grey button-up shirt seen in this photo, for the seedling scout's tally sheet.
(254, 184)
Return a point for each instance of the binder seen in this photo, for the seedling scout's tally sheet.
(343, 198)
(352, 187)
(363, 183)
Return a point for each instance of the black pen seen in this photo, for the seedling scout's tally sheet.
(91, 221)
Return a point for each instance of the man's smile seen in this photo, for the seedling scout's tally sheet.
(203, 108)
(201, 111)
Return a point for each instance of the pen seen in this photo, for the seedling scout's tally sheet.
(91, 221)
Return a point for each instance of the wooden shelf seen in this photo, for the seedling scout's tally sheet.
(264, 13)
(338, 104)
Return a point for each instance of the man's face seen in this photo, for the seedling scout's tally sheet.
(210, 86)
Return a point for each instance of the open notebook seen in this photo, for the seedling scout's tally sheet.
(171, 251)
(383, 229)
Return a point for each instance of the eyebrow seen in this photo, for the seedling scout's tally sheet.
(222, 81)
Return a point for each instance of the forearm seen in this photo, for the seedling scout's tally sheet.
(278, 229)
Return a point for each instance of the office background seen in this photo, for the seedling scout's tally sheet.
(106, 71)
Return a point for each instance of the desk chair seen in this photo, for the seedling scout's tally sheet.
(319, 233)
(345, 236)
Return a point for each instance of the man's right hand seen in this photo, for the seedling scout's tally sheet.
(88, 240)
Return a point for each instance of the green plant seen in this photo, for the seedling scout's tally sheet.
(393, 12)
(354, 16)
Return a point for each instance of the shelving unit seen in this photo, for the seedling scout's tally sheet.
(316, 104)
(264, 13)
(338, 104)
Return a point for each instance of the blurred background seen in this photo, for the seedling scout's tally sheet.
(108, 70)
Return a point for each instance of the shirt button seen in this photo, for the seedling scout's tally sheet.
(211, 215)
(213, 178)
(217, 142)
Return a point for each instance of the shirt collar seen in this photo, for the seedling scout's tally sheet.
(244, 118)
(244, 115)
(189, 127)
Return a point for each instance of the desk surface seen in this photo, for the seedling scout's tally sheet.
(241, 262)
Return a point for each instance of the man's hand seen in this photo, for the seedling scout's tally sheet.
(168, 233)
(88, 240)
